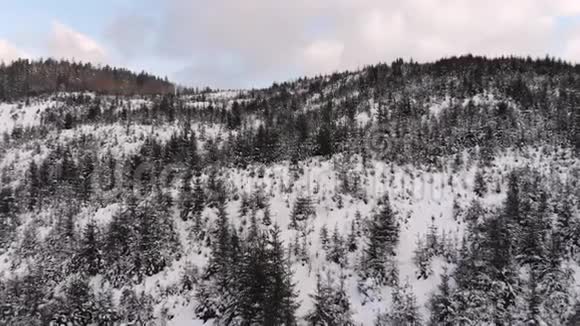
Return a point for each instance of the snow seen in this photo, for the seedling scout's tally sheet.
(418, 196)
(21, 115)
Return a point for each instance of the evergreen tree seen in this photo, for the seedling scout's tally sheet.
(479, 184)
(32, 186)
(422, 259)
(266, 219)
(404, 309)
(301, 211)
(89, 255)
(331, 304)
(336, 252)
(324, 237)
(218, 292)
(117, 248)
(441, 304)
(352, 241)
(86, 168)
(198, 198)
(253, 277)
(8, 217)
(383, 237)
(280, 300)
(186, 200)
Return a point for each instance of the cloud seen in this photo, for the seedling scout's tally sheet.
(571, 48)
(9, 52)
(323, 56)
(65, 42)
(274, 40)
(130, 34)
(227, 43)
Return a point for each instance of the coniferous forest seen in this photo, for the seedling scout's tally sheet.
(443, 193)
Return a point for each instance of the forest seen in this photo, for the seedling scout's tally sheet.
(126, 202)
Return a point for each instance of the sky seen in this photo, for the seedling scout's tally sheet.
(252, 43)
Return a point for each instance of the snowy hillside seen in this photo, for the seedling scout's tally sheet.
(393, 195)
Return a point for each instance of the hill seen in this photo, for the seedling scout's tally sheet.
(23, 78)
(399, 194)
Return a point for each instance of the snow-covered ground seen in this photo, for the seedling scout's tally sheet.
(418, 196)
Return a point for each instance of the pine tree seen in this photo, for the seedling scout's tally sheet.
(107, 171)
(441, 304)
(325, 141)
(86, 167)
(199, 198)
(422, 259)
(218, 294)
(479, 184)
(577, 130)
(252, 276)
(383, 237)
(302, 210)
(32, 186)
(186, 197)
(77, 302)
(89, 256)
(136, 308)
(512, 203)
(150, 257)
(567, 225)
(117, 248)
(352, 241)
(534, 302)
(331, 304)
(432, 242)
(245, 205)
(324, 237)
(280, 300)
(404, 309)
(266, 219)
(336, 252)
(8, 218)
(501, 266)
(554, 282)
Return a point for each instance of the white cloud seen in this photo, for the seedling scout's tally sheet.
(254, 42)
(129, 34)
(571, 50)
(65, 42)
(322, 56)
(9, 52)
(304, 37)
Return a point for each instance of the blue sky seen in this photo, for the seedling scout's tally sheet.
(231, 44)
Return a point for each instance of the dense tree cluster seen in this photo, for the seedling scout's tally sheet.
(29, 78)
(511, 267)
(488, 284)
(248, 279)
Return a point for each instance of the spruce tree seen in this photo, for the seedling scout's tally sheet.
(331, 304)
(89, 255)
(382, 239)
(280, 300)
(324, 241)
(404, 309)
(336, 252)
(218, 292)
(8, 217)
(479, 184)
(352, 241)
(199, 197)
(186, 197)
(441, 304)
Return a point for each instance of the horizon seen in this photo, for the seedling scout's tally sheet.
(226, 45)
(294, 78)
